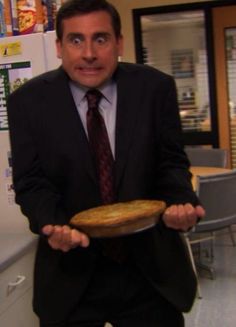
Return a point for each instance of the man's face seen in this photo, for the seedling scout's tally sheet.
(89, 48)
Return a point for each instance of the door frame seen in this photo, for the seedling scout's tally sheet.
(213, 137)
(223, 17)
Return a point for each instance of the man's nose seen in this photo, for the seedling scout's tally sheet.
(89, 51)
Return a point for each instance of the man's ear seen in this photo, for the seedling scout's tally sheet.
(58, 48)
(120, 45)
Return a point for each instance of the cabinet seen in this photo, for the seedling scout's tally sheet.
(16, 293)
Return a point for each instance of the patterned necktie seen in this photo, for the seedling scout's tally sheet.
(99, 141)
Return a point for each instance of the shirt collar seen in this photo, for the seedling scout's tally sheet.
(108, 90)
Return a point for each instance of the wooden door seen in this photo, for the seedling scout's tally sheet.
(223, 19)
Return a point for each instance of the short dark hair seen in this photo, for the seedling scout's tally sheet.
(72, 8)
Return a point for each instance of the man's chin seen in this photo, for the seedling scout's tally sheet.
(90, 83)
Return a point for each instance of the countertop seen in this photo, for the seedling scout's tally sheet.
(13, 246)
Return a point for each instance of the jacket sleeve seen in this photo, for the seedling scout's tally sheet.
(173, 177)
(36, 195)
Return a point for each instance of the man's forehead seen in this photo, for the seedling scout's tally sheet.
(92, 22)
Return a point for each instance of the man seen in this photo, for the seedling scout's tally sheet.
(56, 176)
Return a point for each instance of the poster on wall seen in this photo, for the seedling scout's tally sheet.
(12, 76)
(182, 63)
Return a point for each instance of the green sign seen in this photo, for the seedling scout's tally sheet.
(12, 76)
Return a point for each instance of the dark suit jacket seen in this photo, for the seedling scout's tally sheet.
(54, 178)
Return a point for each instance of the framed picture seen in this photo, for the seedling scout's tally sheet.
(182, 63)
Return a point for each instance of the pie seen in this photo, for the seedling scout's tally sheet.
(119, 218)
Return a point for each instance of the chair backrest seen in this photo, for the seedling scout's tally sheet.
(207, 157)
(217, 194)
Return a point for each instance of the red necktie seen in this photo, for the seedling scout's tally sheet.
(99, 141)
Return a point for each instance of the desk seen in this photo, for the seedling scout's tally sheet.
(204, 171)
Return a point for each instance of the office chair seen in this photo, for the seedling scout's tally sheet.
(217, 194)
(206, 157)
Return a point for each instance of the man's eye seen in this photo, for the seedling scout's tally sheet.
(101, 40)
(76, 41)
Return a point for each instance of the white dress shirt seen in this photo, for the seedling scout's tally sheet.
(107, 107)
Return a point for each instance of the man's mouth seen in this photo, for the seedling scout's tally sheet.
(89, 70)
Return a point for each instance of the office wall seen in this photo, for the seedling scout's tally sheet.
(125, 9)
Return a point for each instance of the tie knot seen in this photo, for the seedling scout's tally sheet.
(93, 97)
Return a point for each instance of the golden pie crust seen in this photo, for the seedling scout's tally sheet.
(119, 218)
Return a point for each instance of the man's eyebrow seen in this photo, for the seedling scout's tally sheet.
(96, 34)
(73, 35)
(102, 34)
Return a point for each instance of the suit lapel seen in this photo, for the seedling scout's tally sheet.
(127, 114)
(128, 96)
(70, 120)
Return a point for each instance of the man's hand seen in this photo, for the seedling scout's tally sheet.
(64, 238)
(182, 216)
